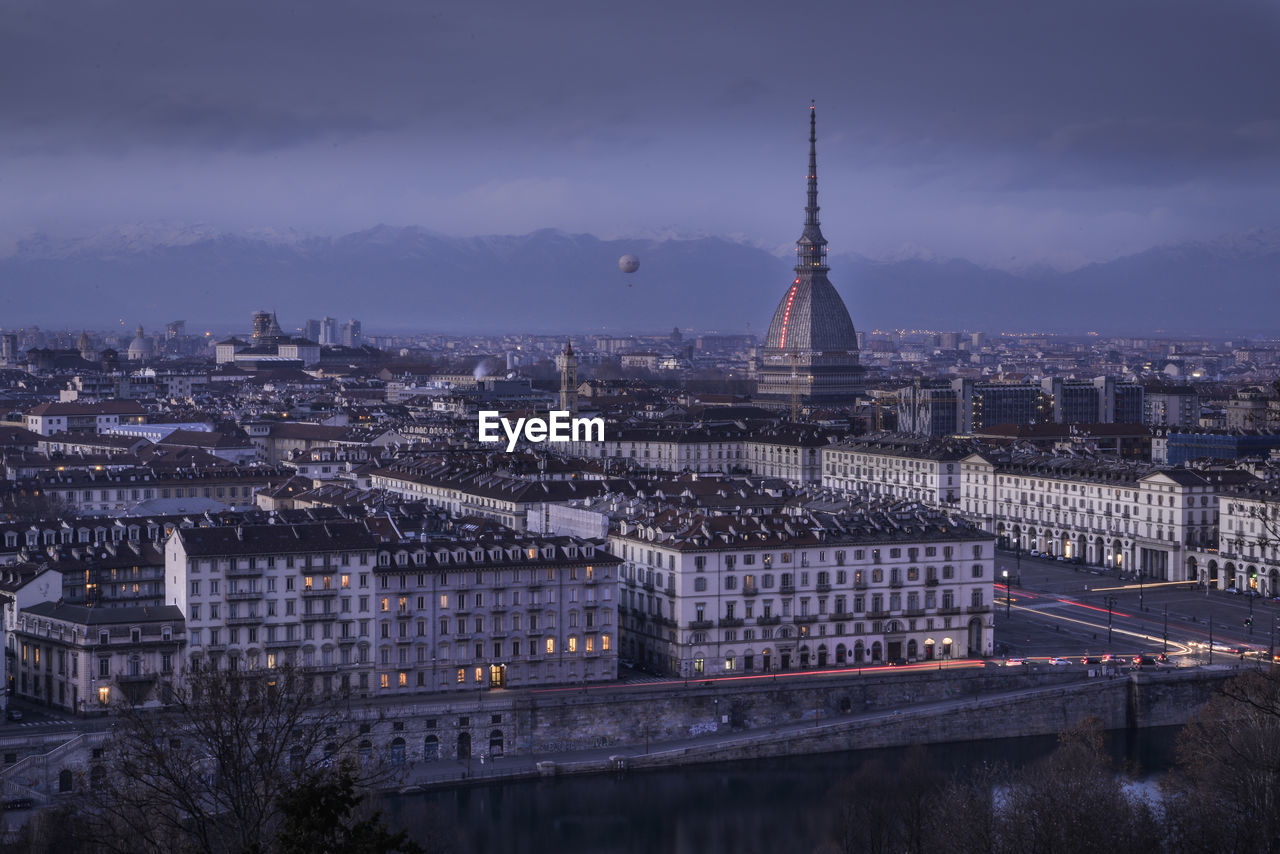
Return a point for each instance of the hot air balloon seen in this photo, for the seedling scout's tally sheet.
(628, 263)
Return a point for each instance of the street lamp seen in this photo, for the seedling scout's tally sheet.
(1111, 601)
(1166, 630)
(1007, 606)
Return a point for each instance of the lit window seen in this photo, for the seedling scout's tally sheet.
(346, 580)
(306, 582)
(551, 646)
(404, 680)
(104, 694)
(604, 642)
(591, 644)
(386, 680)
(479, 673)
(386, 605)
(462, 675)
(573, 643)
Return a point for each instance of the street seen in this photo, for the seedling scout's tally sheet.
(1055, 608)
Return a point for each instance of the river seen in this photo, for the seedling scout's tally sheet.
(766, 806)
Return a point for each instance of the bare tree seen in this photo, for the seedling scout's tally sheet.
(210, 773)
(1225, 792)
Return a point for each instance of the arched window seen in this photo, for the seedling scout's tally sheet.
(431, 748)
(397, 751)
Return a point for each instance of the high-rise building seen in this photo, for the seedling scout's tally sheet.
(351, 336)
(810, 355)
(261, 324)
(328, 332)
(311, 331)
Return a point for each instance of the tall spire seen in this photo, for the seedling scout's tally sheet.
(811, 248)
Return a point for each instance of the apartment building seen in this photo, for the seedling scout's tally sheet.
(712, 594)
(82, 659)
(896, 466)
(444, 612)
(1131, 516)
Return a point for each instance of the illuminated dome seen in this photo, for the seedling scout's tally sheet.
(811, 316)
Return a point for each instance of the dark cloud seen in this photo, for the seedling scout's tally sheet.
(670, 106)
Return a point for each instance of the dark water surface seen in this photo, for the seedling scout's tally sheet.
(765, 805)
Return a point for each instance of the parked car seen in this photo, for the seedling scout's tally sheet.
(1232, 590)
(13, 715)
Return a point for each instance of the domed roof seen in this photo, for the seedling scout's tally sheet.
(140, 347)
(811, 317)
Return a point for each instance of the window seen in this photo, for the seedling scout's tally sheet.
(977, 570)
(699, 585)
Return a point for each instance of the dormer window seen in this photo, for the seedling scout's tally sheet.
(104, 637)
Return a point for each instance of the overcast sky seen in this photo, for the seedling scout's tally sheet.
(1010, 132)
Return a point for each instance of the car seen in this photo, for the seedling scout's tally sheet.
(1142, 660)
(13, 715)
(1059, 557)
(1232, 590)
(1162, 658)
(1111, 658)
(1089, 659)
(1059, 661)
(1015, 662)
(897, 662)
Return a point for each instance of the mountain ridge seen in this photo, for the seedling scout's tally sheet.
(407, 277)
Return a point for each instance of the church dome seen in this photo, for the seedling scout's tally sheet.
(811, 317)
(140, 347)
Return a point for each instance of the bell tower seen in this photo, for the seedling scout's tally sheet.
(567, 362)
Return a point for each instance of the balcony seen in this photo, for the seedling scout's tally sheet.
(787, 588)
(949, 609)
(319, 592)
(143, 676)
(913, 612)
(648, 585)
(896, 583)
(979, 609)
(405, 639)
(841, 616)
(244, 572)
(859, 585)
(286, 642)
(805, 620)
(931, 582)
(319, 615)
(243, 595)
(768, 621)
(244, 620)
(877, 615)
(750, 590)
(700, 624)
(731, 622)
(824, 587)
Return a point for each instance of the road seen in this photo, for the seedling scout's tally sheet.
(1054, 608)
